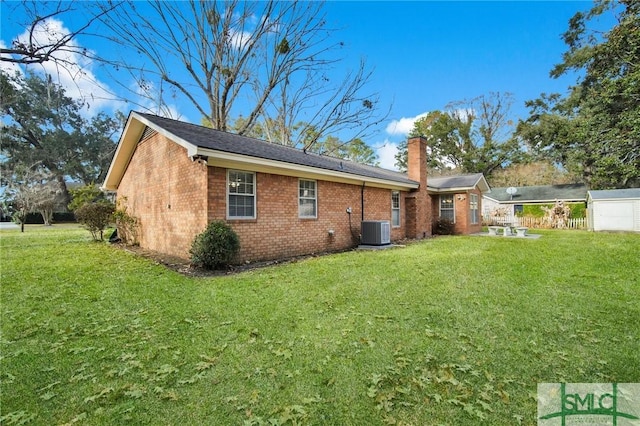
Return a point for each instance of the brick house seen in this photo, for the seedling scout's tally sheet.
(459, 199)
(177, 177)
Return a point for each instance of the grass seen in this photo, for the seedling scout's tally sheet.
(451, 330)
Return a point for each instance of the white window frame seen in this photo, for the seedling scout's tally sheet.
(238, 182)
(395, 208)
(473, 209)
(452, 209)
(304, 195)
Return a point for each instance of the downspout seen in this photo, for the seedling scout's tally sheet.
(362, 201)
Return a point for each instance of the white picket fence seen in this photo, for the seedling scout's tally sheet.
(533, 222)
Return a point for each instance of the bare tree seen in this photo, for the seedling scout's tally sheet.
(472, 136)
(33, 190)
(268, 62)
(43, 41)
(532, 173)
(492, 114)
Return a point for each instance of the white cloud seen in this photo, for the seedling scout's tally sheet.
(386, 154)
(71, 69)
(464, 114)
(239, 39)
(8, 67)
(403, 126)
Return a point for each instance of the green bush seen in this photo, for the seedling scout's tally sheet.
(58, 217)
(216, 247)
(85, 194)
(444, 227)
(578, 209)
(95, 217)
(535, 210)
(128, 226)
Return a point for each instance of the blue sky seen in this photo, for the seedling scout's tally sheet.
(426, 54)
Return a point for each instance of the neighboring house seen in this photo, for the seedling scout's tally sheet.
(500, 198)
(614, 210)
(176, 177)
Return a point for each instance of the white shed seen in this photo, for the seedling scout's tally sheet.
(614, 210)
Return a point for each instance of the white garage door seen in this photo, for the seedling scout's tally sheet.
(613, 216)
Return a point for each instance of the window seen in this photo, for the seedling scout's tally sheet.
(395, 208)
(446, 207)
(307, 198)
(241, 195)
(518, 208)
(473, 206)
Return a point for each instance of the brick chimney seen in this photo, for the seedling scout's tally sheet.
(418, 202)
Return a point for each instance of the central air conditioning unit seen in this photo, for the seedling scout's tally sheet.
(376, 233)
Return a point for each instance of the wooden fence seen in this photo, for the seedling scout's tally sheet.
(534, 222)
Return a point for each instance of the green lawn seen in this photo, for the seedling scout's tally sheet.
(451, 330)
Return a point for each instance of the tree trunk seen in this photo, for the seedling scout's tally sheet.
(47, 216)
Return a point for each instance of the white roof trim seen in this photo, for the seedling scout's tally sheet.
(551, 200)
(443, 190)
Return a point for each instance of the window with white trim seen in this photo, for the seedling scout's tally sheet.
(473, 206)
(446, 207)
(307, 199)
(395, 208)
(241, 195)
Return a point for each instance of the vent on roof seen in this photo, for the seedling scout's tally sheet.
(148, 132)
(376, 233)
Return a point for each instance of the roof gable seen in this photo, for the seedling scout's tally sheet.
(200, 140)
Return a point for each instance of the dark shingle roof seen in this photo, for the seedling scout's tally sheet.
(443, 183)
(217, 140)
(543, 193)
(612, 194)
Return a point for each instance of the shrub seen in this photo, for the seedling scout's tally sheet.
(215, 247)
(444, 227)
(578, 209)
(58, 217)
(85, 194)
(535, 210)
(127, 225)
(95, 217)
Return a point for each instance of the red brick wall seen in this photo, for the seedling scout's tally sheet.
(175, 198)
(461, 201)
(278, 232)
(419, 205)
(166, 191)
(474, 228)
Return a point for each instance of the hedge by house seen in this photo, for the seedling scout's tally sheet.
(535, 210)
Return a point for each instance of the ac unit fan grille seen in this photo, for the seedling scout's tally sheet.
(376, 233)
